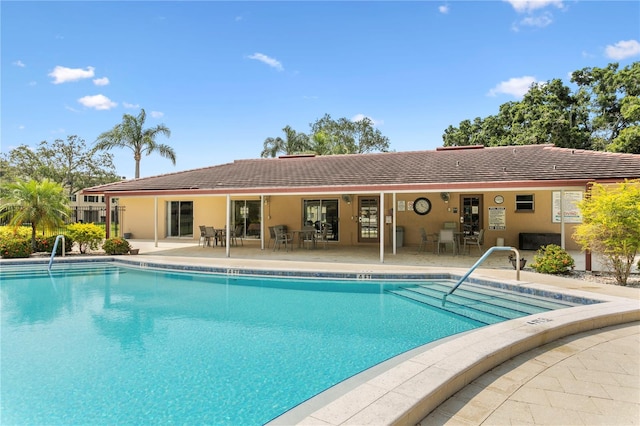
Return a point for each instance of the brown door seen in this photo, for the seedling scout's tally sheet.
(369, 219)
(471, 213)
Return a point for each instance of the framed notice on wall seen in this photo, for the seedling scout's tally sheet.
(497, 218)
(569, 206)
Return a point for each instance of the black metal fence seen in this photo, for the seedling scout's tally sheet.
(88, 214)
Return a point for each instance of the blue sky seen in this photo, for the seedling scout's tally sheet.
(224, 76)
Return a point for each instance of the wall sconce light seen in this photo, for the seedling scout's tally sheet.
(266, 200)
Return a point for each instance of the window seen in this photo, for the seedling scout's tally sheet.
(524, 203)
(92, 199)
(321, 213)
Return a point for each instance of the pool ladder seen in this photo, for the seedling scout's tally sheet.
(475, 265)
(55, 248)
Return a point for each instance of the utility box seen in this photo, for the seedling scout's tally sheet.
(399, 236)
(500, 242)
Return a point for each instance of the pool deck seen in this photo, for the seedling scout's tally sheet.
(577, 366)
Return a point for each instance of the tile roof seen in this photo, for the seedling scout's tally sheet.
(533, 165)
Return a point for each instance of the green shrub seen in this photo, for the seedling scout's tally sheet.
(552, 259)
(12, 248)
(116, 246)
(45, 244)
(87, 235)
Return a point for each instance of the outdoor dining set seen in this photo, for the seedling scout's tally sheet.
(448, 236)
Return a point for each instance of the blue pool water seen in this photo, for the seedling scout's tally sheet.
(117, 345)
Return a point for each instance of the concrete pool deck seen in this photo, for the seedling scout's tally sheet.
(572, 366)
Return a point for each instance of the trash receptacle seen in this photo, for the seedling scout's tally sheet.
(399, 236)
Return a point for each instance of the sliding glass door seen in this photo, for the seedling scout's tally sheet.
(179, 218)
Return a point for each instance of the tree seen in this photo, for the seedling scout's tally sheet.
(592, 117)
(130, 134)
(607, 88)
(294, 143)
(344, 136)
(611, 225)
(38, 203)
(628, 140)
(68, 163)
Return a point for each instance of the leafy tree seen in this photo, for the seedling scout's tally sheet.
(628, 139)
(130, 134)
(68, 163)
(607, 88)
(344, 136)
(611, 225)
(600, 115)
(293, 143)
(38, 203)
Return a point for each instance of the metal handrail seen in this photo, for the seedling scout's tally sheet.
(55, 248)
(479, 261)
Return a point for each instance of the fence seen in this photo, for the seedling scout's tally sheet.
(88, 214)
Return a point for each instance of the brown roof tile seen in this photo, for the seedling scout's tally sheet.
(443, 168)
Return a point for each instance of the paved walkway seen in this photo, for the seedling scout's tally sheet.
(592, 378)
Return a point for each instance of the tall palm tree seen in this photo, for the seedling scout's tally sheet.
(293, 143)
(39, 203)
(130, 134)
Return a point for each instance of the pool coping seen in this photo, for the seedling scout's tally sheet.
(404, 389)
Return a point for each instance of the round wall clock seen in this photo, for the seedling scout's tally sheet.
(499, 199)
(422, 205)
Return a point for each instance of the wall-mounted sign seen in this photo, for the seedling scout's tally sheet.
(570, 206)
(401, 206)
(497, 218)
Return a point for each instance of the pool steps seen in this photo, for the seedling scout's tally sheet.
(479, 304)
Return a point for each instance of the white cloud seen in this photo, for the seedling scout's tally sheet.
(539, 21)
(238, 18)
(130, 106)
(359, 117)
(274, 63)
(21, 127)
(102, 81)
(623, 49)
(516, 86)
(444, 9)
(19, 63)
(99, 102)
(65, 75)
(527, 6)
(157, 114)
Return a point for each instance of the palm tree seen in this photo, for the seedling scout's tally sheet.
(130, 134)
(293, 143)
(37, 203)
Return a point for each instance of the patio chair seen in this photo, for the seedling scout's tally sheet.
(308, 236)
(210, 235)
(203, 238)
(424, 240)
(323, 235)
(272, 235)
(282, 237)
(235, 234)
(445, 237)
(474, 239)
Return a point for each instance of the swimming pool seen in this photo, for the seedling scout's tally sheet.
(114, 344)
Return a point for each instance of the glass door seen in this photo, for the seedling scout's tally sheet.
(179, 219)
(471, 213)
(369, 219)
